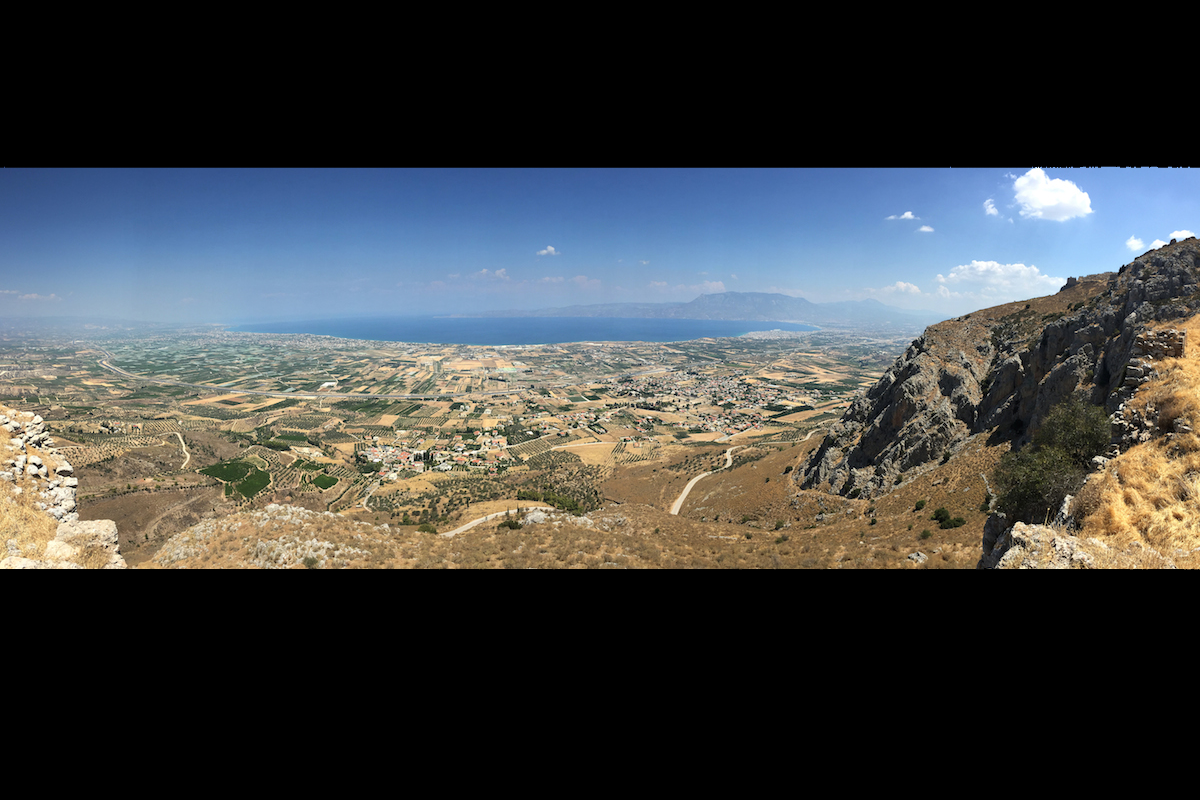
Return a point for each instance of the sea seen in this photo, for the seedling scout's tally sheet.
(497, 331)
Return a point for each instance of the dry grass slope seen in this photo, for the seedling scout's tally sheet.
(1150, 495)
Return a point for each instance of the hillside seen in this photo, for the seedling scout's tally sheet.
(1114, 340)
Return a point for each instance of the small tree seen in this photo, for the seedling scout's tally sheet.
(1034, 481)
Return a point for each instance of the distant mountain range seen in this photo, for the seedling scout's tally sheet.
(748, 305)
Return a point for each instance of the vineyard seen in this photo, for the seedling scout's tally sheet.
(109, 447)
(302, 422)
(630, 453)
(213, 412)
(536, 446)
(381, 431)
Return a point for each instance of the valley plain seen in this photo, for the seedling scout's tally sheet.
(168, 427)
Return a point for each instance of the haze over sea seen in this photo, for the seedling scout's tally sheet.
(495, 331)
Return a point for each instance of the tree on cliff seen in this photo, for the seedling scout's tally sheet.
(1034, 480)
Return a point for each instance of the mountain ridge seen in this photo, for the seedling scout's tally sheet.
(741, 306)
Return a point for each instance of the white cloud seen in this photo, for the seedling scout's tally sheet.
(9, 291)
(905, 215)
(733, 275)
(501, 273)
(585, 282)
(552, 279)
(643, 263)
(1055, 199)
(1017, 280)
(549, 251)
(40, 297)
(1157, 243)
(989, 208)
(1134, 243)
(658, 284)
(901, 286)
(924, 229)
(1179, 236)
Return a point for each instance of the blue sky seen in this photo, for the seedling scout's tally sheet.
(235, 246)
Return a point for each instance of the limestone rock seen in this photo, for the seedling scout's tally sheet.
(977, 375)
(93, 535)
(16, 562)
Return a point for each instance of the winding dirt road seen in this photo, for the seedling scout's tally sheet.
(186, 455)
(498, 514)
(678, 504)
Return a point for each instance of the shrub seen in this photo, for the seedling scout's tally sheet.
(311, 562)
(925, 534)
(1034, 480)
(427, 528)
(946, 457)
(920, 505)
(778, 524)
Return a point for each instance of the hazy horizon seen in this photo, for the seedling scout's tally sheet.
(246, 246)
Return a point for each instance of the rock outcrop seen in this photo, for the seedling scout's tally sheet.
(51, 486)
(1002, 369)
(1043, 547)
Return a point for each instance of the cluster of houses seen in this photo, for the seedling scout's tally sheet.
(485, 452)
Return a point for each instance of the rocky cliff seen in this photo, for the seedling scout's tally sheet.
(41, 528)
(1000, 370)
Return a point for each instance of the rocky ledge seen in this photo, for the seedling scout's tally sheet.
(93, 543)
(54, 485)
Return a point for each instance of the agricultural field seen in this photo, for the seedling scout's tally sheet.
(213, 420)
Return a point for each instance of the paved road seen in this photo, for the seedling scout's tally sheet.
(679, 503)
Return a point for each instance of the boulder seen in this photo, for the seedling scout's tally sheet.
(92, 535)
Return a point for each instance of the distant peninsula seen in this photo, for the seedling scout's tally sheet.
(745, 306)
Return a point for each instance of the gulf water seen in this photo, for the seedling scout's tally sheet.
(493, 331)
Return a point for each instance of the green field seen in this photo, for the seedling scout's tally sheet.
(324, 481)
(228, 471)
(255, 483)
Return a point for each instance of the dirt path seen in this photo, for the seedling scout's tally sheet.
(683, 496)
(152, 524)
(580, 444)
(473, 523)
(186, 455)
